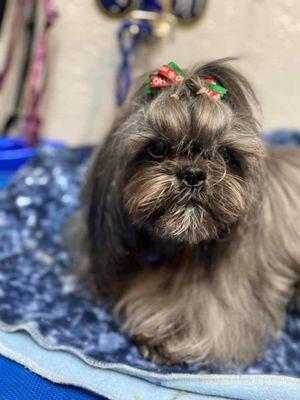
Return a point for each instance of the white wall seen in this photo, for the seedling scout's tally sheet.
(79, 103)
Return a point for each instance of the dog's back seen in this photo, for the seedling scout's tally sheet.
(290, 155)
(282, 201)
(283, 165)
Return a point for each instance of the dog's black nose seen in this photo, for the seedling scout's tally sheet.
(193, 177)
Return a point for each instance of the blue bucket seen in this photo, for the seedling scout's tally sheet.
(14, 154)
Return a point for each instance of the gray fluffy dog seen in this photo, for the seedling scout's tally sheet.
(191, 226)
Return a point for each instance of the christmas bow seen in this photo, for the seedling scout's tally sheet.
(210, 87)
(167, 75)
(171, 74)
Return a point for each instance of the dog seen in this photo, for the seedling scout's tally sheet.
(190, 224)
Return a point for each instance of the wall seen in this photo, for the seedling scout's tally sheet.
(79, 103)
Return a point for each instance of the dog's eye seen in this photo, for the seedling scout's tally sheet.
(157, 149)
(225, 153)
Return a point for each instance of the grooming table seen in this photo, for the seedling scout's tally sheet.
(49, 318)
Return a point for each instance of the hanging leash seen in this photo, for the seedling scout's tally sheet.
(142, 25)
(2, 12)
(21, 83)
(14, 35)
(33, 73)
(129, 36)
(37, 76)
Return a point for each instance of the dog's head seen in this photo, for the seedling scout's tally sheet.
(185, 167)
(193, 159)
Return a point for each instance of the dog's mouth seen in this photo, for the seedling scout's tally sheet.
(193, 199)
(193, 202)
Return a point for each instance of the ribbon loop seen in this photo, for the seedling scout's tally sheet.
(166, 76)
(212, 89)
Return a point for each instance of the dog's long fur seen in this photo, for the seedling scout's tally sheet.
(232, 247)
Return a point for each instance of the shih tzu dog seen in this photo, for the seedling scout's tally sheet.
(191, 226)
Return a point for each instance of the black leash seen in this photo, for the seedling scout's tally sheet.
(2, 12)
(30, 27)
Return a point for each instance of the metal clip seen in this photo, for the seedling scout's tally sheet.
(162, 23)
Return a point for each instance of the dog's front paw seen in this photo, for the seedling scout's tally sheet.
(294, 304)
(154, 354)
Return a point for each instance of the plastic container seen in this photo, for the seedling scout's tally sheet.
(14, 154)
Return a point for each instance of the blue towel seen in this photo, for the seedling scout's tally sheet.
(63, 367)
(40, 293)
(18, 383)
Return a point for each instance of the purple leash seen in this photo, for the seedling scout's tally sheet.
(37, 76)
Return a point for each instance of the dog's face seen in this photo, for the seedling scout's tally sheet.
(193, 167)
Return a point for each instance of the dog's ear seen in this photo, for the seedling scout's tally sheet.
(106, 228)
(107, 231)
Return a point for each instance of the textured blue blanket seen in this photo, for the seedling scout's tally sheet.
(39, 291)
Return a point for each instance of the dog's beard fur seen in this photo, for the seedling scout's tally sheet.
(232, 256)
(157, 199)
